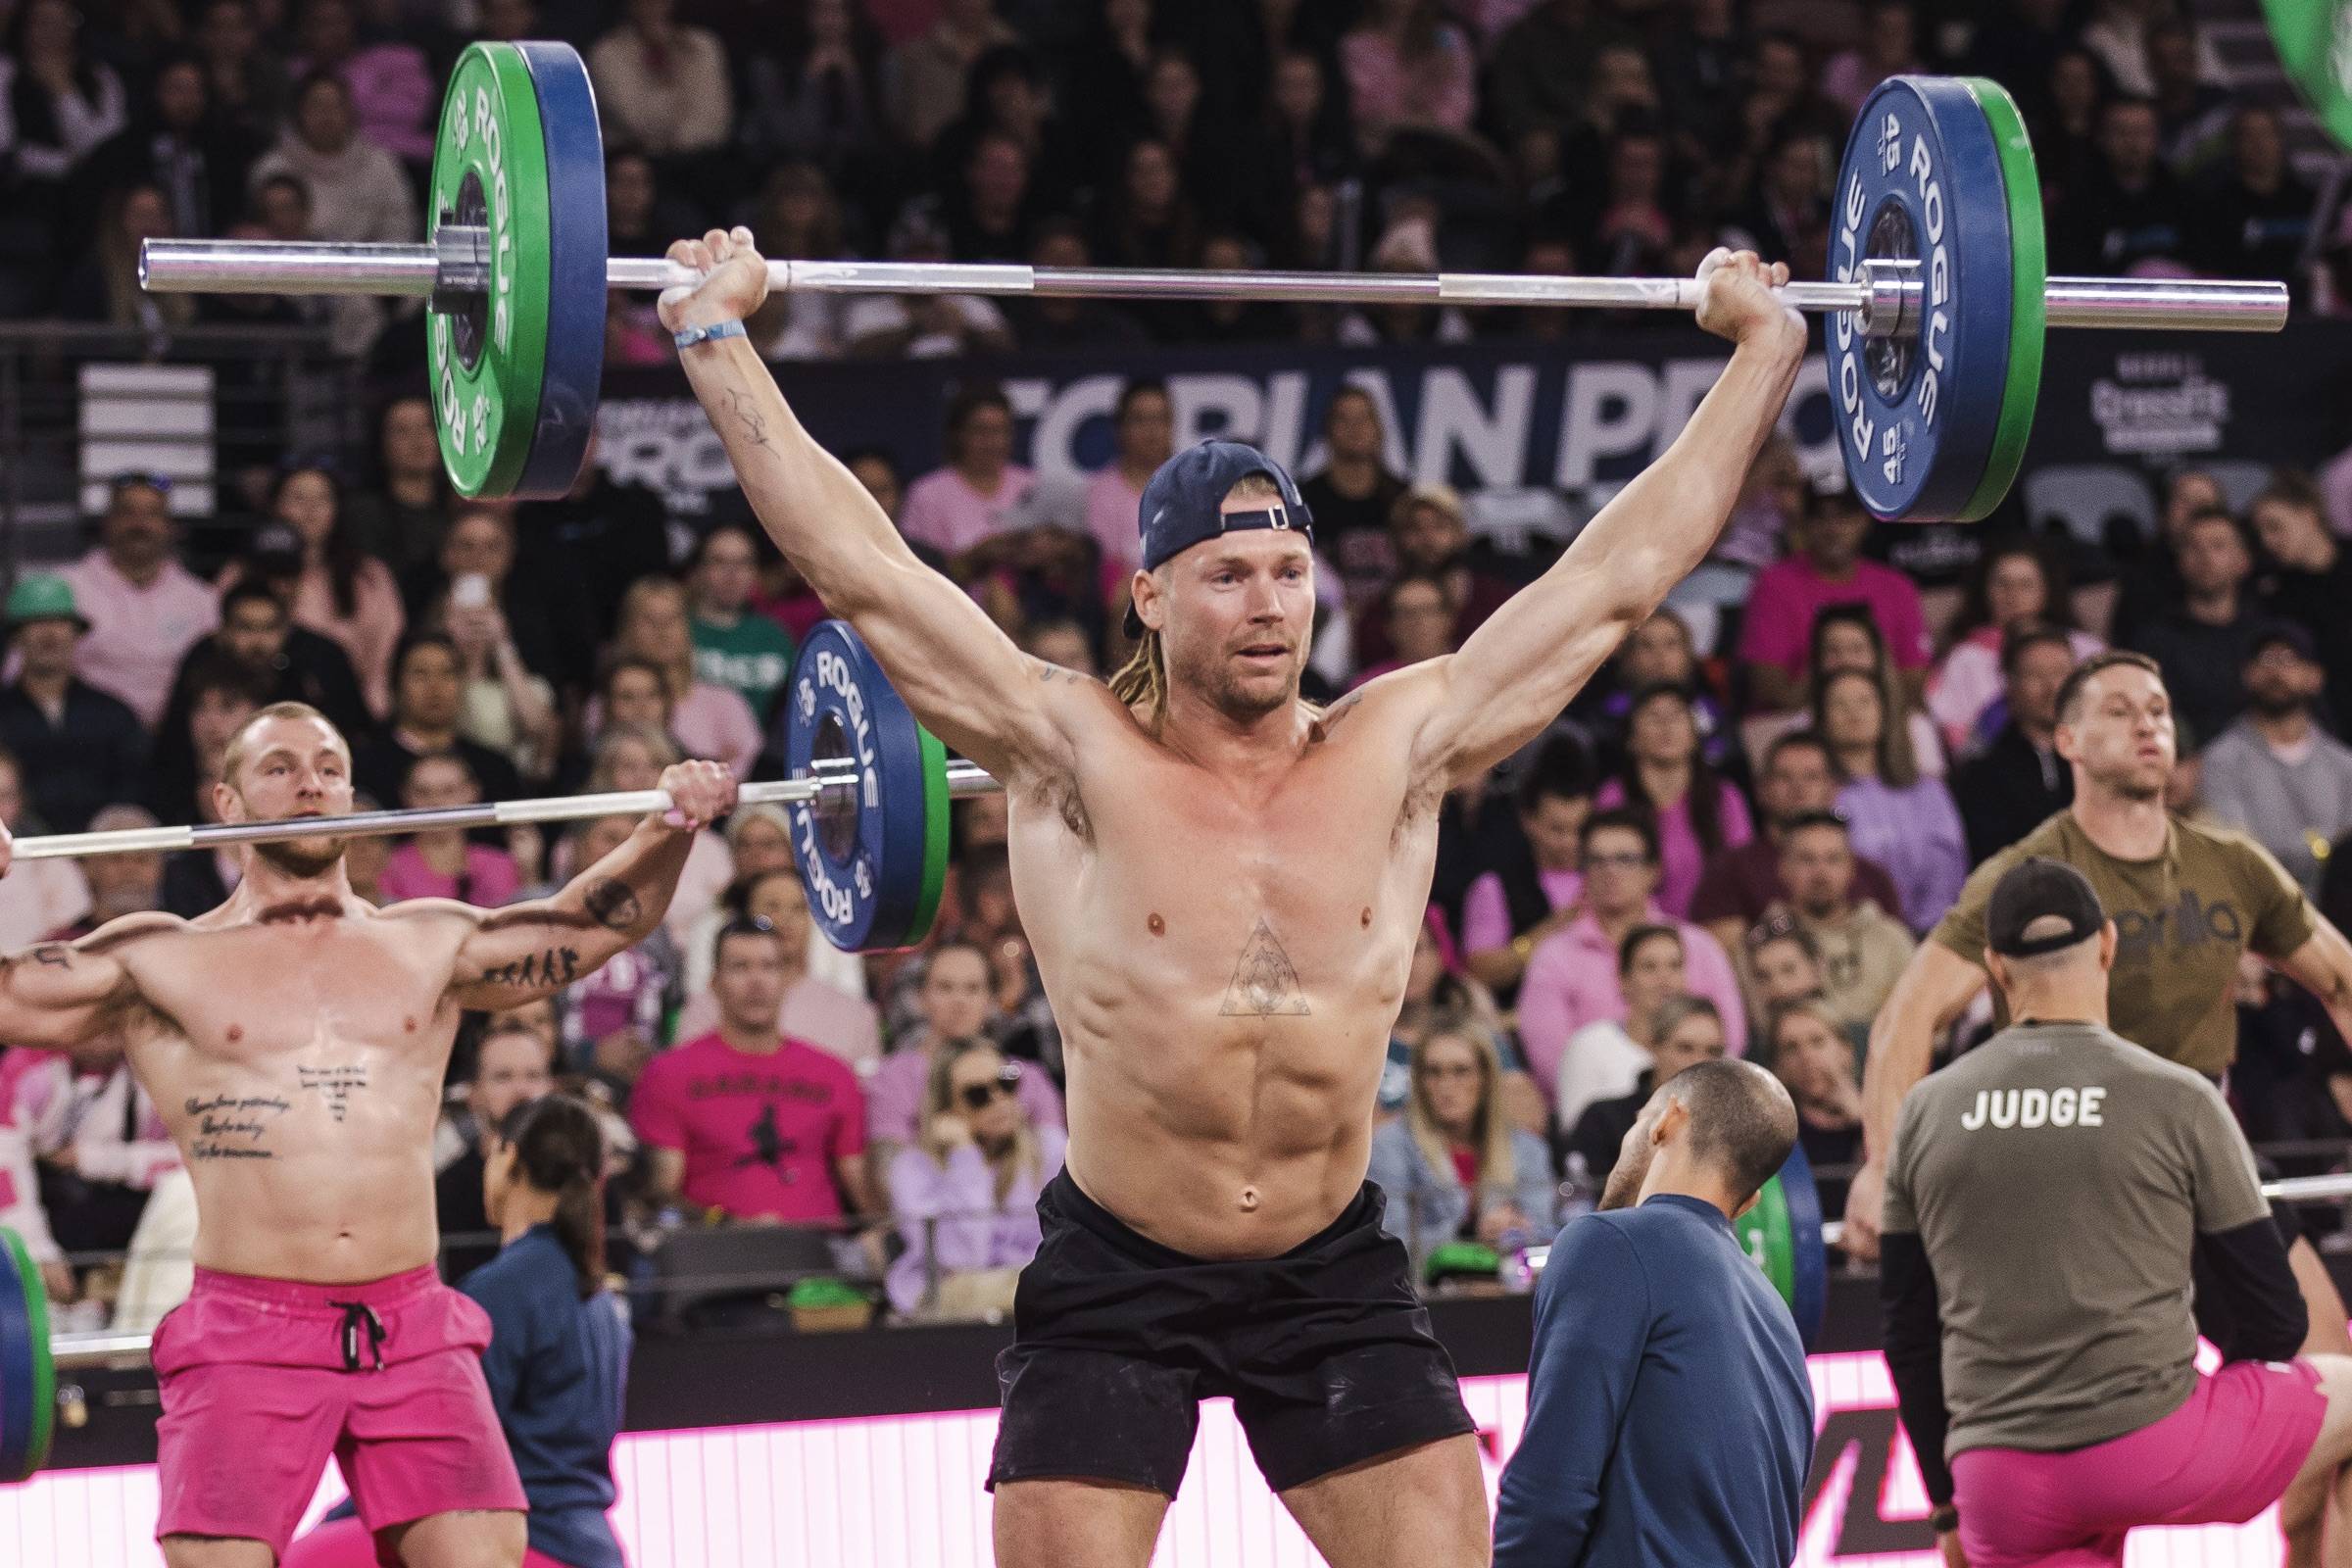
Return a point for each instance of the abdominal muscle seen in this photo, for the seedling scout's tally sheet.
(1222, 1136)
(325, 1217)
(298, 1179)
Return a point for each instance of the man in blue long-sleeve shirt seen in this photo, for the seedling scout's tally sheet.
(1669, 1415)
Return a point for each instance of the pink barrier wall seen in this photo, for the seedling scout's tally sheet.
(899, 1491)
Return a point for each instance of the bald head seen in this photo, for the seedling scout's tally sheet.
(1717, 1130)
(1742, 1122)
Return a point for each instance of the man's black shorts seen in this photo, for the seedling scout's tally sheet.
(1325, 1353)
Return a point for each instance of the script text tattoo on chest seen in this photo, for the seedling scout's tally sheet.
(233, 1126)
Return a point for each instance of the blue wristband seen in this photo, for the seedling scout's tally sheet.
(704, 334)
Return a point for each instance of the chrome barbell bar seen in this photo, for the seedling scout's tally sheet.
(831, 776)
(1886, 297)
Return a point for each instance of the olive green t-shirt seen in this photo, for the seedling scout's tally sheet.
(2180, 922)
(2059, 1177)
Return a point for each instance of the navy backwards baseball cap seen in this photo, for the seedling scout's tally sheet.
(1184, 504)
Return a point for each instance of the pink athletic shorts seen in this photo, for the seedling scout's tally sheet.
(262, 1379)
(2224, 1456)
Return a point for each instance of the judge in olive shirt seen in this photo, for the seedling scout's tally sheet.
(1669, 1412)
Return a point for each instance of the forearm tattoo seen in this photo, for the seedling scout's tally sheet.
(739, 404)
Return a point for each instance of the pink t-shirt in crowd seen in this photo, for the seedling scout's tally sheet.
(1486, 913)
(715, 722)
(947, 513)
(491, 878)
(761, 1131)
(1683, 859)
(36, 1106)
(137, 635)
(38, 899)
(1114, 509)
(893, 1095)
(1572, 981)
(711, 722)
(1788, 594)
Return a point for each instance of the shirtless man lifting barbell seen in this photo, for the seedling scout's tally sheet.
(1223, 886)
(295, 1040)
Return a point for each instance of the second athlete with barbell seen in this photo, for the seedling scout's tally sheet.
(295, 1040)
(1223, 886)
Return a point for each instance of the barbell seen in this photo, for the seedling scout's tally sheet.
(1936, 311)
(867, 797)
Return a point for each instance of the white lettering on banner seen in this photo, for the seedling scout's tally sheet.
(1057, 414)
(667, 445)
(1466, 423)
(1611, 410)
(2160, 405)
(1211, 407)
(1285, 426)
(1682, 385)
(1493, 442)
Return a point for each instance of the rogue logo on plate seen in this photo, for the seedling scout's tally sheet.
(1933, 420)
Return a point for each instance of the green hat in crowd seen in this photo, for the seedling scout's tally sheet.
(43, 598)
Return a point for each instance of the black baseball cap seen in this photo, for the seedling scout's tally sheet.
(2284, 634)
(1184, 504)
(2036, 889)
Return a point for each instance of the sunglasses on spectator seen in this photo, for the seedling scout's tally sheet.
(1459, 1070)
(1006, 1084)
(160, 483)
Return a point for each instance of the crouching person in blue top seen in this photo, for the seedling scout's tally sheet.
(1669, 1416)
(558, 1357)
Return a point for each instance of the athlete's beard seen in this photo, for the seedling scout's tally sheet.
(290, 856)
(1213, 679)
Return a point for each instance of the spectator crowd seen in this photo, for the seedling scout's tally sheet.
(1730, 843)
(1598, 136)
